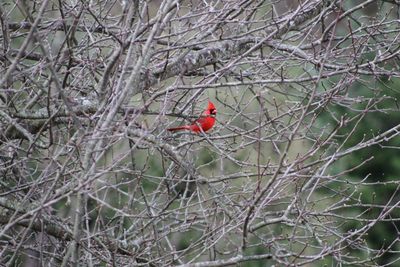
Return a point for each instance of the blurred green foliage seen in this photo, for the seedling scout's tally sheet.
(378, 164)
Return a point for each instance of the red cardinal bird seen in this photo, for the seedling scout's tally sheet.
(205, 122)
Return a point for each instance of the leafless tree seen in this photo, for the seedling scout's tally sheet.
(91, 177)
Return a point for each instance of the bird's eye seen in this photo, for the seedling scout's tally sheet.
(213, 111)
